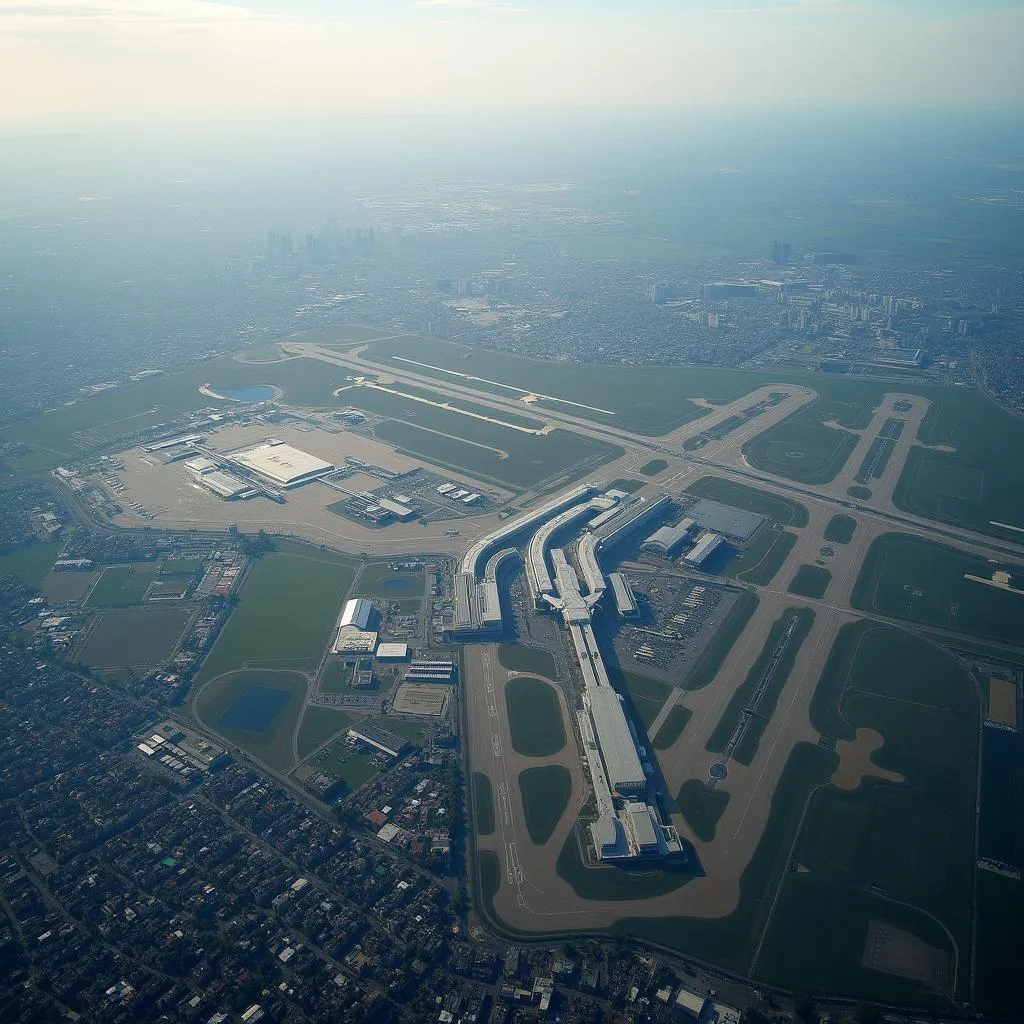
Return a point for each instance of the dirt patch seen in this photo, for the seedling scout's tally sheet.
(896, 952)
(855, 760)
(1002, 702)
(949, 449)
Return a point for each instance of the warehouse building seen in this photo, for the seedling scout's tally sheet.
(282, 465)
(703, 549)
(379, 739)
(725, 519)
(358, 612)
(667, 539)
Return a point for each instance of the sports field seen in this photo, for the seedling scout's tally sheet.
(784, 511)
(702, 806)
(840, 529)
(545, 792)
(810, 581)
(122, 585)
(143, 638)
(897, 852)
(256, 710)
(921, 581)
(534, 717)
(286, 614)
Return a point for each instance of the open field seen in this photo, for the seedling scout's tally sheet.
(801, 450)
(60, 587)
(810, 581)
(840, 529)
(784, 511)
(377, 580)
(143, 637)
(545, 792)
(288, 608)
(30, 563)
(122, 585)
(654, 467)
(626, 484)
(701, 806)
(921, 581)
(256, 710)
(710, 661)
(672, 728)
(319, 724)
(763, 673)
(901, 853)
(490, 452)
(337, 678)
(527, 659)
(483, 805)
(534, 717)
(763, 557)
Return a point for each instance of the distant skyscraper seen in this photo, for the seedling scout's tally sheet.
(779, 253)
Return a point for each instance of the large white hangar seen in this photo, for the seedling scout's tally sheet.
(281, 464)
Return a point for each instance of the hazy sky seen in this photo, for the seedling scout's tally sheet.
(79, 61)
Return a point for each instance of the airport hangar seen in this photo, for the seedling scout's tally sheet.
(629, 825)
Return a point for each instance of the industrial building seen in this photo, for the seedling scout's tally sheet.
(379, 739)
(282, 465)
(358, 612)
(703, 549)
(667, 539)
(392, 652)
(354, 633)
(725, 519)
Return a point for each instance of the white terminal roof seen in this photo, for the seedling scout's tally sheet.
(282, 463)
(618, 751)
(393, 650)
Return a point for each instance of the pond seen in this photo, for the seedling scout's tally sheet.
(249, 393)
(397, 583)
(255, 709)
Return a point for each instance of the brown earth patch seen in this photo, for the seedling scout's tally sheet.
(897, 952)
(855, 760)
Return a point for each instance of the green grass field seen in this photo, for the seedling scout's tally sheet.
(625, 484)
(337, 678)
(141, 638)
(319, 724)
(517, 658)
(840, 529)
(61, 587)
(763, 557)
(483, 805)
(654, 467)
(647, 695)
(784, 511)
(810, 581)
(377, 580)
(920, 581)
(858, 492)
(492, 453)
(710, 659)
(801, 450)
(181, 567)
(672, 728)
(288, 608)
(545, 792)
(911, 841)
(702, 808)
(272, 745)
(534, 717)
(122, 585)
(747, 748)
(353, 764)
(30, 563)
